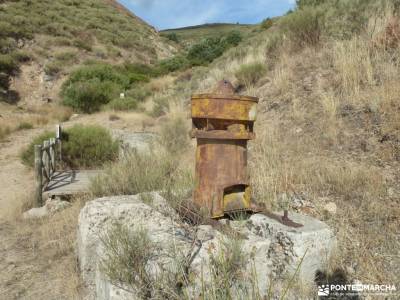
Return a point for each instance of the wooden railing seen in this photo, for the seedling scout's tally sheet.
(47, 160)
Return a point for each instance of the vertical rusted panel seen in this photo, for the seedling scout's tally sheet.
(222, 125)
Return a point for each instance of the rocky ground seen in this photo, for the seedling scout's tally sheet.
(267, 254)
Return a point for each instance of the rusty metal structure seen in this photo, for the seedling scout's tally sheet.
(223, 124)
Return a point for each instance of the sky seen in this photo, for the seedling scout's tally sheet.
(164, 14)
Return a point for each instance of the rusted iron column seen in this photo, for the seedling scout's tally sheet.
(222, 124)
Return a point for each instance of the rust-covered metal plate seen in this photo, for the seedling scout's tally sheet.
(222, 135)
(223, 108)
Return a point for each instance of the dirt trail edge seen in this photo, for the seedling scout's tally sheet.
(16, 180)
(25, 272)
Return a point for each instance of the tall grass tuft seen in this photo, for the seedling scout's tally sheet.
(126, 257)
(250, 74)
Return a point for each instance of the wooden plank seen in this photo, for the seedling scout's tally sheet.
(38, 175)
(70, 183)
(52, 156)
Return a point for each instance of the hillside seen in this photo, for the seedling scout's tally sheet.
(328, 131)
(55, 36)
(41, 42)
(192, 34)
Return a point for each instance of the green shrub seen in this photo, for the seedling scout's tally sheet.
(122, 104)
(28, 155)
(89, 96)
(267, 24)
(21, 56)
(233, 38)
(82, 146)
(127, 254)
(172, 37)
(81, 44)
(93, 86)
(24, 126)
(7, 44)
(4, 83)
(304, 26)
(139, 92)
(66, 56)
(339, 19)
(206, 51)
(89, 146)
(211, 48)
(8, 64)
(62, 41)
(173, 64)
(53, 68)
(102, 72)
(249, 74)
(145, 71)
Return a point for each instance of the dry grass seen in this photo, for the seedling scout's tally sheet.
(366, 221)
(352, 59)
(36, 116)
(161, 84)
(163, 168)
(43, 257)
(329, 130)
(336, 156)
(4, 131)
(282, 76)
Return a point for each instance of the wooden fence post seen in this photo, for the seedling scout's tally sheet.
(38, 175)
(46, 158)
(53, 155)
(58, 139)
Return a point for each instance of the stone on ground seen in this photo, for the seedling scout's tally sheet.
(52, 206)
(271, 251)
(134, 141)
(330, 208)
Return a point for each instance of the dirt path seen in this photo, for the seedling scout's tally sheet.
(34, 257)
(16, 180)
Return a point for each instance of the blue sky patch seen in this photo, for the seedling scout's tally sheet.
(165, 14)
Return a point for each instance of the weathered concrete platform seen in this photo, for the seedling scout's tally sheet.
(272, 253)
(67, 183)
